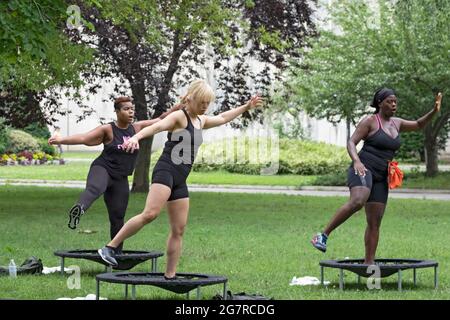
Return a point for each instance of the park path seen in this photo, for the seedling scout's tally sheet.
(297, 191)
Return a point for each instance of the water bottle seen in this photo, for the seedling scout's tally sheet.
(12, 269)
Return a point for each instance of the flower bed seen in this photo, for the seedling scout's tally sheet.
(26, 158)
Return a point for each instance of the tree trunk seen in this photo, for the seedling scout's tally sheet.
(431, 152)
(141, 180)
(348, 127)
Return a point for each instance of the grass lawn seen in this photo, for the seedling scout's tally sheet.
(259, 242)
(79, 170)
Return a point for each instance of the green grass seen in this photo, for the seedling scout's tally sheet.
(79, 171)
(259, 242)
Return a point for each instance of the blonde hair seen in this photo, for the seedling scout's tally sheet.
(199, 90)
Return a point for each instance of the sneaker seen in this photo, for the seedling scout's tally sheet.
(320, 242)
(75, 214)
(171, 278)
(107, 255)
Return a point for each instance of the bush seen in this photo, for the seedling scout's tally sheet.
(45, 147)
(21, 141)
(4, 135)
(37, 130)
(295, 157)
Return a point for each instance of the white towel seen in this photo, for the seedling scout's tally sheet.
(48, 270)
(90, 296)
(306, 281)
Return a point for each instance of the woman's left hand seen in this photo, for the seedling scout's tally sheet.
(255, 102)
(437, 103)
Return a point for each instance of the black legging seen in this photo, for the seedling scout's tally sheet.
(115, 193)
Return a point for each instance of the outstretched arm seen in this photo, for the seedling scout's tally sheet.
(406, 125)
(168, 123)
(227, 116)
(146, 123)
(91, 138)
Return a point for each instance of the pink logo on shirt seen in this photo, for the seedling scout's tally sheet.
(124, 144)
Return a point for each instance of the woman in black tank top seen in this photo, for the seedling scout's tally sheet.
(367, 175)
(173, 167)
(109, 173)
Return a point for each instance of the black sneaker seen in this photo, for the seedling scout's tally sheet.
(171, 278)
(107, 255)
(75, 214)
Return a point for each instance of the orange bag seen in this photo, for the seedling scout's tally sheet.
(395, 175)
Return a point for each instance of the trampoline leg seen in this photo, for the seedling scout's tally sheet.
(399, 280)
(109, 269)
(187, 295)
(154, 265)
(415, 277)
(133, 292)
(341, 279)
(359, 279)
(199, 295)
(97, 291)
(62, 265)
(321, 275)
(126, 291)
(225, 291)
(435, 277)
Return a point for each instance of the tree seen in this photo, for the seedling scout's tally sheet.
(153, 45)
(276, 29)
(142, 42)
(37, 60)
(407, 49)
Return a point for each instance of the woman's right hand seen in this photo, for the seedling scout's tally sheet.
(360, 169)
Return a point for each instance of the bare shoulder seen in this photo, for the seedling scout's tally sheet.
(397, 121)
(203, 119)
(367, 121)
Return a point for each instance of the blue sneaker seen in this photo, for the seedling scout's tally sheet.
(320, 242)
(107, 254)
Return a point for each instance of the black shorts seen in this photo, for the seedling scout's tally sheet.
(173, 179)
(379, 189)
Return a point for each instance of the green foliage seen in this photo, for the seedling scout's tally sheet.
(412, 146)
(4, 135)
(21, 141)
(311, 158)
(403, 46)
(295, 157)
(37, 130)
(35, 53)
(45, 147)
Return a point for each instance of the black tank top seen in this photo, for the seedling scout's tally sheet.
(378, 150)
(114, 158)
(181, 147)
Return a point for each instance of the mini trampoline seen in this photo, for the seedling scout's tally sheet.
(387, 267)
(184, 283)
(127, 260)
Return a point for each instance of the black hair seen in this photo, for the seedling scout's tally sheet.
(379, 96)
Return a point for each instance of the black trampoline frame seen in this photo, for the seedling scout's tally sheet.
(347, 264)
(106, 277)
(72, 254)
